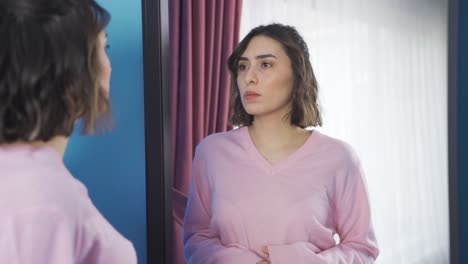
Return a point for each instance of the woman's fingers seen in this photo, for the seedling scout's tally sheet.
(265, 250)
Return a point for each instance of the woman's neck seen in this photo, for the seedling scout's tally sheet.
(58, 143)
(273, 130)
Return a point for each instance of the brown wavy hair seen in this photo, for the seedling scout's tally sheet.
(49, 68)
(305, 111)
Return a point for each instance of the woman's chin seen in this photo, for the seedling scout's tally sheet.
(253, 110)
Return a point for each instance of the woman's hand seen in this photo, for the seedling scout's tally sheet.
(265, 250)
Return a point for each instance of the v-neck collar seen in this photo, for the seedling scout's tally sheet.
(272, 168)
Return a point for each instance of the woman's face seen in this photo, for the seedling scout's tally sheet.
(104, 62)
(265, 78)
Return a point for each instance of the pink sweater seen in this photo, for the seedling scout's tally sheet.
(46, 216)
(239, 202)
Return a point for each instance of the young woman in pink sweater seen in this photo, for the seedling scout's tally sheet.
(54, 70)
(272, 191)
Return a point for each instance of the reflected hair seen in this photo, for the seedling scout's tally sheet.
(305, 111)
(49, 69)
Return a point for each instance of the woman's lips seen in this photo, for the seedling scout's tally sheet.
(249, 96)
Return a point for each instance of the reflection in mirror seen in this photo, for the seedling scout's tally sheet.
(381, 68)
(381, 72)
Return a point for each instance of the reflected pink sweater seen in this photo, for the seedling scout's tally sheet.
(239, 202)
(46, 216)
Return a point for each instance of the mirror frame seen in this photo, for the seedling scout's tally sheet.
(156, 55)
(453, 130)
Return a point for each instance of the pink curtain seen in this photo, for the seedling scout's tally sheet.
(203, 34)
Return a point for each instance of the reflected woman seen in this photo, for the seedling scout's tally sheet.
(272, 191)
(54, 70)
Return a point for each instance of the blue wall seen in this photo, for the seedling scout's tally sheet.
(463, 127)
(112, 165)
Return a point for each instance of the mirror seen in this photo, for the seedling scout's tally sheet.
(382, 73)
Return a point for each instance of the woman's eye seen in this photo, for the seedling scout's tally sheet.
(266, 65)
(242, 67)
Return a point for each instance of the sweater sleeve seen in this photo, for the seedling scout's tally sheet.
(100, 243)
(201, 244)
(357, 245)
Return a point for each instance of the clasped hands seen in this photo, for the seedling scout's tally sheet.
(265, 251)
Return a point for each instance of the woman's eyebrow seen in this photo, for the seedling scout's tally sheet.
(262, 56)
(265, 56)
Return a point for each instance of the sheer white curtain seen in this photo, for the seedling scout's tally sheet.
(382, 73)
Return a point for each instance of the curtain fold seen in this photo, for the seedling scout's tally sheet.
(203, 34)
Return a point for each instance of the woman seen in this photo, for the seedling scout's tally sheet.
(53, 71)
(272, 191)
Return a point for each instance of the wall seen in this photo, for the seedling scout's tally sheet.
(112, 165)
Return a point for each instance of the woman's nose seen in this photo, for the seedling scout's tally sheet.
(250, 76)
